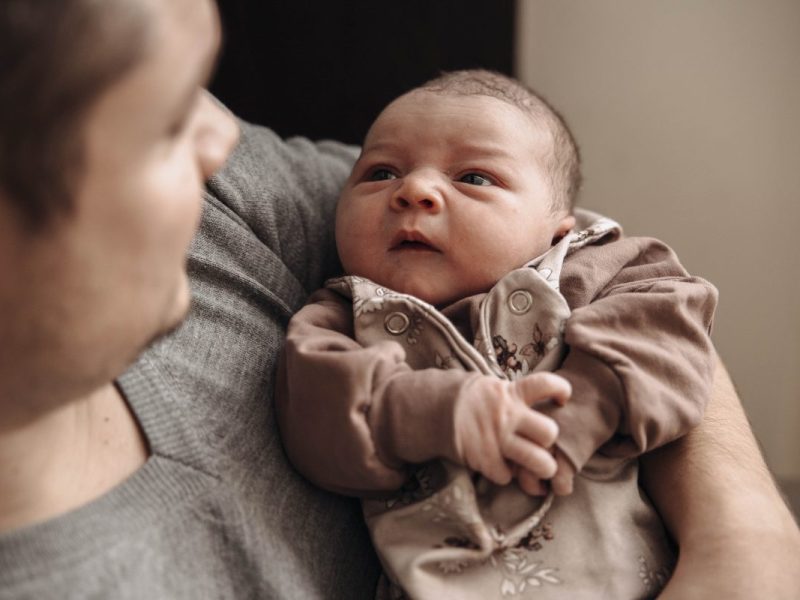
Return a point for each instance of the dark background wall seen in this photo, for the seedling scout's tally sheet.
(324, 69)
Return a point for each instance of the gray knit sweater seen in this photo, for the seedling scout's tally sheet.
(217, 512)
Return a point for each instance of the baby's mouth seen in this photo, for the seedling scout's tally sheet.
(410, 245)
(412, 240)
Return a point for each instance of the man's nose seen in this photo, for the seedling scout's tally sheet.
(418, 191)
(215, 136)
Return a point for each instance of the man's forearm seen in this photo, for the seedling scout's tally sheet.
(736, 535)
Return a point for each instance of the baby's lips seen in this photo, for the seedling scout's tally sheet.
(409, 237)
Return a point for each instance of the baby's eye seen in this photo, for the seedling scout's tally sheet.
(381, 175)
(475, 179)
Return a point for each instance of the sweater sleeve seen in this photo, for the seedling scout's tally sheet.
(640, 359)
(352, 417)
(283, 194)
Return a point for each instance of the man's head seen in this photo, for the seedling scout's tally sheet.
(454, 188)
(56, 58)
(100, 183)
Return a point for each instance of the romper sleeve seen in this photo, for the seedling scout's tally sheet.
(352, 417)
(640, 359)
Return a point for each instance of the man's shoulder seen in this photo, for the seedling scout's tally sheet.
(264, 166)
(281, 195)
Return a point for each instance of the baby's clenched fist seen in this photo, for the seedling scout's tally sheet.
(495, 426)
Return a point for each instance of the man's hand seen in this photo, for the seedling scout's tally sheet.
(497, 427)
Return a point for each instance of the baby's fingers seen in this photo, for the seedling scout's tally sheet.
(488, 460)
(543, 386)
(564, 479)
(496, 471)
(530, 484)
(537, 427)
(530, 457)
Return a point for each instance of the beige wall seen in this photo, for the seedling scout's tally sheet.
(687, 113)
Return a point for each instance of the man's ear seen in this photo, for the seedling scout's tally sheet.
(563, 226)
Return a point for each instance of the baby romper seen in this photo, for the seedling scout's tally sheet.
(450, 533)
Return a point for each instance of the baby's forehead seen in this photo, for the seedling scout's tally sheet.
(427, 98)
(461, 127)
(488, 110)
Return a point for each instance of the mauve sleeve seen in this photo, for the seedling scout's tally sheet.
(640, 359)
(352, 418)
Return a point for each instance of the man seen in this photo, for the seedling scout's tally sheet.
(155, 474)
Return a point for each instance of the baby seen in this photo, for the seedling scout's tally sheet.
(478, 301)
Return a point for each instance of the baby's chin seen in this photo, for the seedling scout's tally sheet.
(429, 292)
(411, 285)
(435, 288)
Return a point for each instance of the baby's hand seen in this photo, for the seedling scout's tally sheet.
(561, 483)
(496, 426)
(565, 475)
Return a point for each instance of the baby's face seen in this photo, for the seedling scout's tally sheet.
(447, 196)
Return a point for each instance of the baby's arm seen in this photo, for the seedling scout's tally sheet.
(639, 359)
(352, 417)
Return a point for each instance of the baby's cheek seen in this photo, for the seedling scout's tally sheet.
(496, 260)
(347, 248)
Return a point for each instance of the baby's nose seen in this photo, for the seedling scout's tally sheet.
(418, 192)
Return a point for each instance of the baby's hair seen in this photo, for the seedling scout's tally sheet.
(562, 162)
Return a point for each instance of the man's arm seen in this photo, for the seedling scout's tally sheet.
(283, 193)
(736, 535)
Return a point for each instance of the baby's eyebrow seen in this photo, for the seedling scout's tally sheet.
(481, 149)
(379, 147)
(484, 150)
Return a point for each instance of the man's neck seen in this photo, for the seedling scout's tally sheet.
(67, 457)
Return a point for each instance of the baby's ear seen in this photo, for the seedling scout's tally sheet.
(563, 225)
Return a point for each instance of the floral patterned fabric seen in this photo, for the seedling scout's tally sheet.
(452, 534)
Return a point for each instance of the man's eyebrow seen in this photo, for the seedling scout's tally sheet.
(204, 74)
(212, 60)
